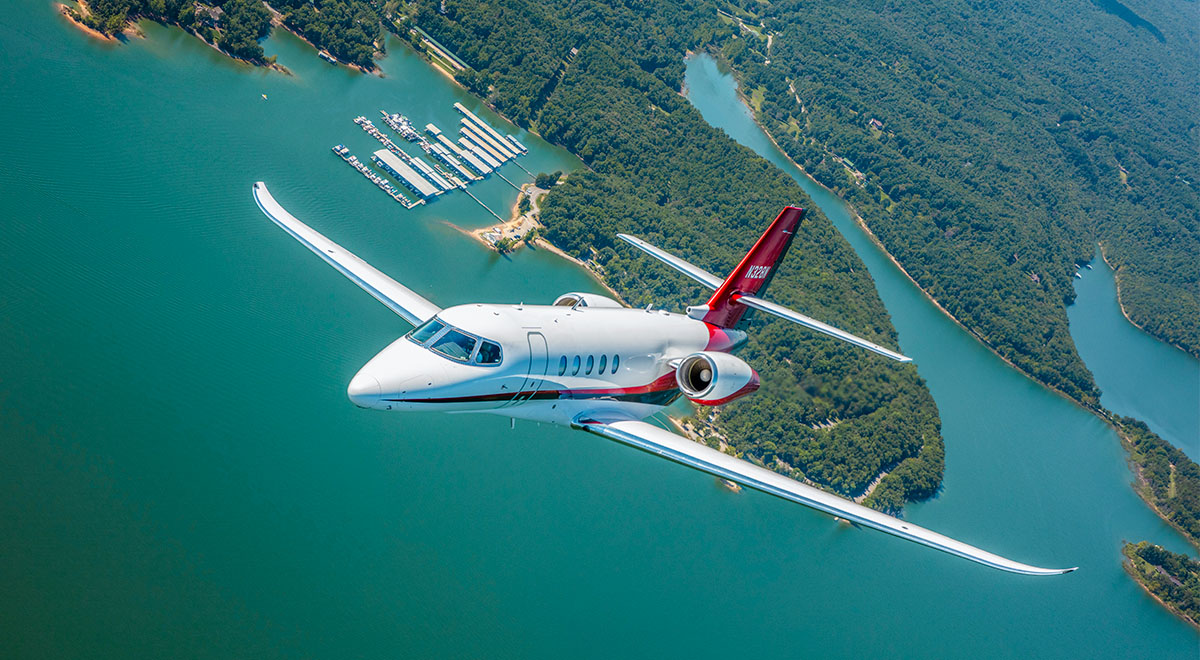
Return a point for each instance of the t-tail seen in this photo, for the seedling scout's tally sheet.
(739, 293)
(753, 274)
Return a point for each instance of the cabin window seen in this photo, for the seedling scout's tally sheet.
(603, 363)
(616, 363)
(591, 362)
(489, 353)
(562, 365)
(455, 345)
(424, 332)
(575, 366)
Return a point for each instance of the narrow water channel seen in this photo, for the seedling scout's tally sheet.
(1138, 375)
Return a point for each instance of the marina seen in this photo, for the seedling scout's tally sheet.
(479, 152)
(401, 125)
(505, 150)
(404, 173)
(475, 138)
(466, 156)
(383, 183)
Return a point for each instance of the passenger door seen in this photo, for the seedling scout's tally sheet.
(539, 361)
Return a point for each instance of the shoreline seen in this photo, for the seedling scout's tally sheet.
(858, 219)
(1141, 486)
(130, 29)
(532, 220)
(277, 21)
(1120, 304)
(1130, 569)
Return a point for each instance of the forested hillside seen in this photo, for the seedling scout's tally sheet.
(991, 146)
(603, 81)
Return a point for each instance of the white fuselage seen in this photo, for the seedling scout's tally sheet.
(556, 362)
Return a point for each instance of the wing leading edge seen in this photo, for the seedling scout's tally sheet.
(650, 438)
(399, 298)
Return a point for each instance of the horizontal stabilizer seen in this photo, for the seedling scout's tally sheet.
(399, 298)
(695, 272)
(797, 317)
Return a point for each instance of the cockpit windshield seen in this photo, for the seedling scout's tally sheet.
(456, 344)
(424, 332)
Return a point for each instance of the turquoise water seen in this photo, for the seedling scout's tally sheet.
(1022, 464)
(1138, 375)
(182, 474)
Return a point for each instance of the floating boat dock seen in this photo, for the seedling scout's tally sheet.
(477, 145)
(466, 156)
(481, 136)
(520, 147)
(480, 153)
(470, 116)
(383, 183)
(508, 146)
(401, 125)
(405, 174)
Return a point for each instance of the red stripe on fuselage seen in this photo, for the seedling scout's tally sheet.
(664, 383)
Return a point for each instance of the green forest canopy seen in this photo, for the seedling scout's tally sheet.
(603, 81)
(997, 145)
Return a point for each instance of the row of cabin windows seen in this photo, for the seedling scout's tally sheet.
(577, 362)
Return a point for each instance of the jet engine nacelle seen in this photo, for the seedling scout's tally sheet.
(576, 299)
(711, 378)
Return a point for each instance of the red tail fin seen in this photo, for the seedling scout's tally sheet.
(754, 273)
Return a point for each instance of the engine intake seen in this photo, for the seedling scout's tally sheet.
(711, 378)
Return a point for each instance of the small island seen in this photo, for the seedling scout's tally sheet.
(1172, 579)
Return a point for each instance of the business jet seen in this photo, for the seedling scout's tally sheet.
(589, 363)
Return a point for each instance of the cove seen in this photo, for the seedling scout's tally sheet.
(1138, 375)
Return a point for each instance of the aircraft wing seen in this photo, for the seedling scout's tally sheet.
(654, 440)
(402, 300)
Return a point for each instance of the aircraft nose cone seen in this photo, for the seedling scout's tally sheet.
(364, 390)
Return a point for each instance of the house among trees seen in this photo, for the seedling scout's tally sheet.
(209, 15)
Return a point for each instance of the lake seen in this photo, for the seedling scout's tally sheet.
(183, 475)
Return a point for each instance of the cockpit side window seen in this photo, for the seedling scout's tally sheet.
(455, 345)
(489, 353)
(424, 332)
